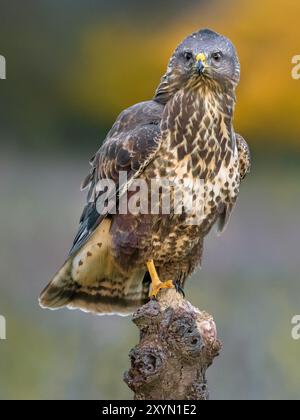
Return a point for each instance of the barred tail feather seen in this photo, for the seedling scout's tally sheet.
(92, 281)
(60, 290)
(63, 291)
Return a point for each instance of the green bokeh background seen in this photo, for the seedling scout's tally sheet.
(72, 66)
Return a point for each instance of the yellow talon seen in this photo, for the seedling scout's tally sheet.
(163, 285)
(156, 284)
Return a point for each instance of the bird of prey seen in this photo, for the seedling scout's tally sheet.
(184, 134)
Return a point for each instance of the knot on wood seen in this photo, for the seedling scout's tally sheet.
(177, 345)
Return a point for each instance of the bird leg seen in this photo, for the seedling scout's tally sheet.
(156, 284)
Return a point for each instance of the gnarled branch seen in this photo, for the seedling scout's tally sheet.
(177, 345)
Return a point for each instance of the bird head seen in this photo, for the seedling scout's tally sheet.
(206, 57)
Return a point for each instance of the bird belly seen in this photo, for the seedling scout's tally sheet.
(173, 236)
(184, 227)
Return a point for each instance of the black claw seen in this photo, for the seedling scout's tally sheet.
(179, 288)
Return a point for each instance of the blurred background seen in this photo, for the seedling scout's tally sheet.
(72, 66)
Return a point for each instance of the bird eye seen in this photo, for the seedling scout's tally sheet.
(217, 56)
(188, 55)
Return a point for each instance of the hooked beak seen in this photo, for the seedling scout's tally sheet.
(200, 63)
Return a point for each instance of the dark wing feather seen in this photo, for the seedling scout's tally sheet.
(129, 146)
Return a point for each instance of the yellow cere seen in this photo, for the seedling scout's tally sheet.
(201, 57)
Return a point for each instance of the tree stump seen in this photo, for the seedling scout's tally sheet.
(177, 344)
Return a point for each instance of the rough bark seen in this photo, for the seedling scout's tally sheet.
(177, 344)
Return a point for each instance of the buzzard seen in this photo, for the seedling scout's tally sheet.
(183, 135)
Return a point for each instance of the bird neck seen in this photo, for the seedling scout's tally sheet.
(199, 115)
(222, 98)
(225, 95)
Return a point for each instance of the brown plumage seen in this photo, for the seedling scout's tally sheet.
(185, 134)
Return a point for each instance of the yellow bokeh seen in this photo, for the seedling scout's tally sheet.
(119, 64)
